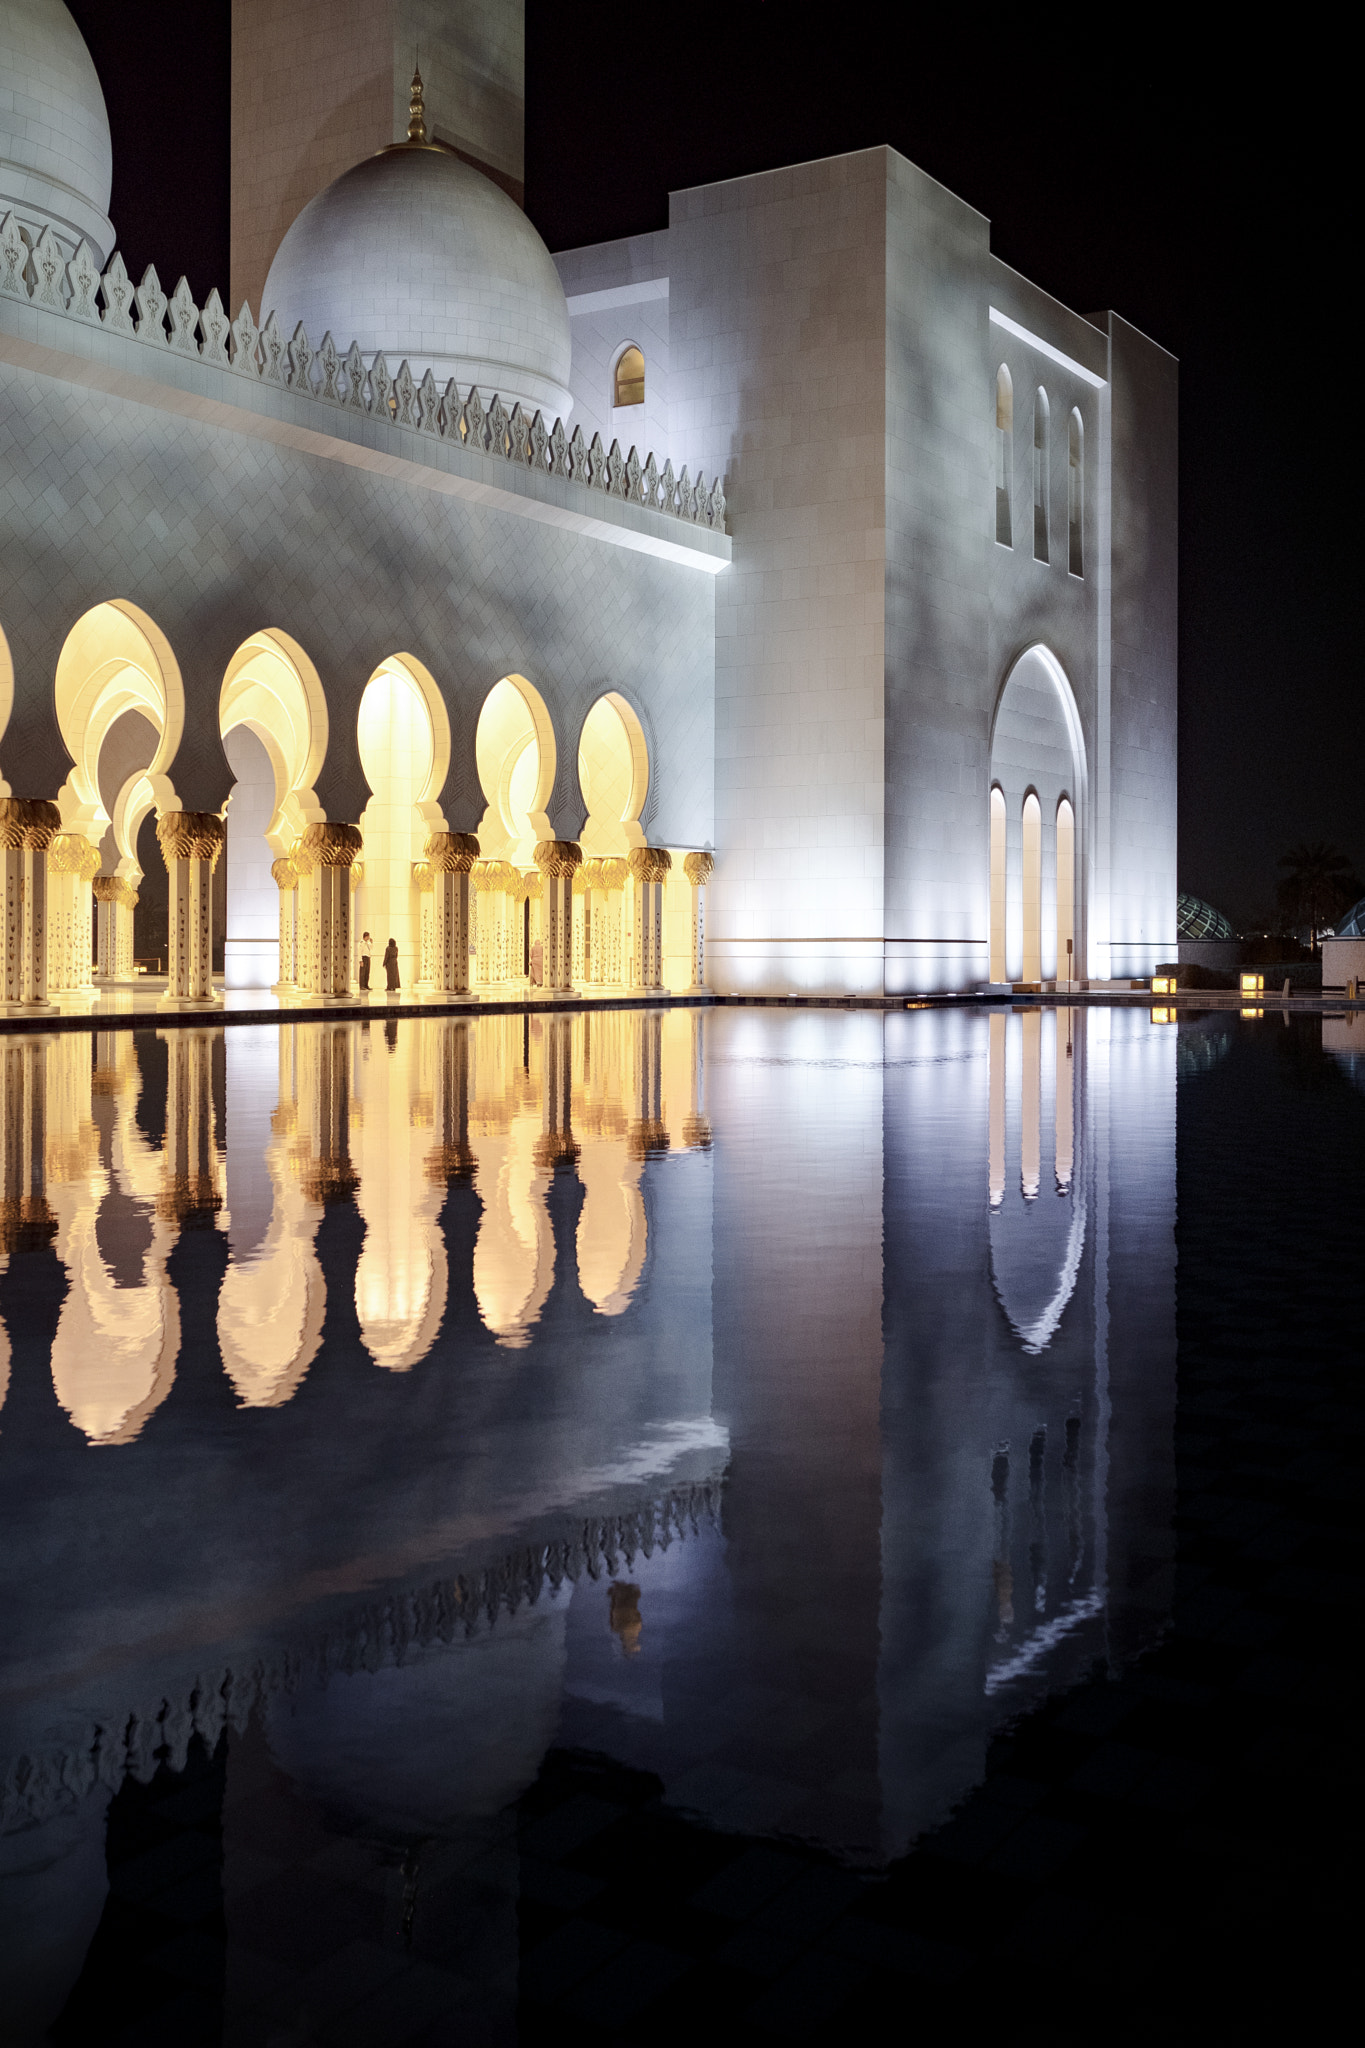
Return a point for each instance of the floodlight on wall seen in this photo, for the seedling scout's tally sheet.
(1163, 984)
(1253, 984)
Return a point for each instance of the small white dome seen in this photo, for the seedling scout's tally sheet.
(416, 253)
(56, 163)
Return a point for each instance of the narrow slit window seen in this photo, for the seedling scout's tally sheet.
(1040, 421)
(629, 383)
(1075, 494)
(1004, 455)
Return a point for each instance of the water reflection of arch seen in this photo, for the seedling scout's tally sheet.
(613, 1231)
(273, 1300)
(514, 1254)
(401, 1276)
(118, 1333)
(1037, 1191)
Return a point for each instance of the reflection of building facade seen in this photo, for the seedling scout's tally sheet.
(498, 700)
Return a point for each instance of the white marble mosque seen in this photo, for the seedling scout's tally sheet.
(780, 602)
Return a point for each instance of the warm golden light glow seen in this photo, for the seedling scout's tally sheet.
(1032, 829)
(628, 384)
(115, 659)
(1252, 984)
(1163, 984)
(999, 872)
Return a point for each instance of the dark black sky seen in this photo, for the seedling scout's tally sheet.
(1202, 188)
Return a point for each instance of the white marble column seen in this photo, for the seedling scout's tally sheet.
(698, 868)
(28, 826)
(286, 878)
(191, 844)
(451, 856)
(424, 881)
(324, 857)
(558, 861)
(115, 900)
(648, 866)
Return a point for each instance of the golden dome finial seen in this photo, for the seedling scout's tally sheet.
(417, 120)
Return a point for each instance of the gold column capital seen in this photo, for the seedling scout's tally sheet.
(191, 835)
(452, 853)
(114, 889)
(29, 821)
(423, 876)
(559, 858)
(329, 846)
(649, 863)
(698, 868)
(284, 873)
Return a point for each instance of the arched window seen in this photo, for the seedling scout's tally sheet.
(628, 384)
(1075, 492)
(1032, 836)
(1040, 422)
(1066, 892)
(998, 873)
(1004, 455)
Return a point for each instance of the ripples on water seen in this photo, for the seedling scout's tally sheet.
(774, 1402)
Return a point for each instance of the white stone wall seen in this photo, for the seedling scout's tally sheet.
(618, 293)
(777, 346)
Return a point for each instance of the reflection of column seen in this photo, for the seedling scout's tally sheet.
(450, 1157)
(557, 1145)
(698, 868)
(557, 860)
(451, 856)
(424, 882)
(191, 1165)
(286, 879)
(72, 864)
(1031, 1140)
(26, 1221)
(648, 1131)
(688, 1026)
(324, 857)
(1065, 1105)
(116, 898)
(191, 842)
(648, 866)
(28, 826)
(996, 1064)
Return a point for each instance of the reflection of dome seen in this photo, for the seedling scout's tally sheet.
(1352, 926)
(55, 158)
(415, 253)
(1197, 920)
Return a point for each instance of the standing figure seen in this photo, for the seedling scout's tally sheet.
(391, 964)
(537, 963)
(366, 946)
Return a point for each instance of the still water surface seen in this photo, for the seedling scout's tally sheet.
(773, 1402)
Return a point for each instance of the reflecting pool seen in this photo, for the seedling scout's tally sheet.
(777, 1403)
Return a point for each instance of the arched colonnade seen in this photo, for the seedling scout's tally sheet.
(1037, 805)
(507, 906)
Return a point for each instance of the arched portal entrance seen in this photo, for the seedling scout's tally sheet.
(514, 750)
(404, 738)
(613, 773)
(120, 706)
(1037, 814)
(272, 714)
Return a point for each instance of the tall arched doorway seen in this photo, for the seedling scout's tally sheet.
(272, 715)
(613, 774)
(404, 738)
(120, 706)
(1037, 815)
(514, 749)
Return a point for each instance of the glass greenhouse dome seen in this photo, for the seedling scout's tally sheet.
(1352, 926)
(1198, 920)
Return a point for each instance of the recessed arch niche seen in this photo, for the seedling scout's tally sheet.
(514, 751)
(403, 733)
(1038, 751)
(613, 774)
(6, 707)
(114, 660)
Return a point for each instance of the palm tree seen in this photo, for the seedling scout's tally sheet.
(1318, 885)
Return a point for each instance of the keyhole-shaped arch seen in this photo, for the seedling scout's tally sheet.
(114, 659)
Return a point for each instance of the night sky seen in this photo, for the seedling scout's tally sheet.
(1205, 192)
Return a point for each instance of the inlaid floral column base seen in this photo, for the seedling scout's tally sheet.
(28, 826)
(648, 866)
(451, 856)
(191, 844)
(324, 857)
(115, 901)
(558, 860)
(698, 868)
(285, 876)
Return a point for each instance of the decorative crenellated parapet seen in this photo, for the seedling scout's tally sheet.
(558, 861)
(191, 844)
(72, 865)
(28, 826)
(285, 875)
(336, 377)
(451, 856)
(115, 900)
(324, 857)
(698, 868)
(649, 867)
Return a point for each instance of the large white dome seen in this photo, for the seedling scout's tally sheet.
(416, 253)
(55, 159)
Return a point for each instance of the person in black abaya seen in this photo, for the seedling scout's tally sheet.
(391, 965)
